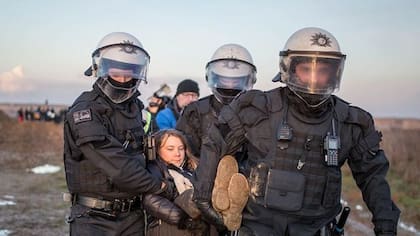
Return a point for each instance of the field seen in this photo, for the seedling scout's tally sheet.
(39, 209)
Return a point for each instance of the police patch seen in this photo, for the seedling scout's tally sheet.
(81, 116)
(128, 47)
(321, 40)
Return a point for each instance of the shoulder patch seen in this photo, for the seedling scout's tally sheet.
(82, 116)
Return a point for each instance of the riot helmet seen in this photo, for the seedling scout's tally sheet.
(311, 65)
(230, 71)
(119, 55)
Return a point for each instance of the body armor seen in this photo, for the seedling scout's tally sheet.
(96, 129)
(196, 119)
(300, 160)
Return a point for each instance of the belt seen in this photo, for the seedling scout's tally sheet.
(115, 206)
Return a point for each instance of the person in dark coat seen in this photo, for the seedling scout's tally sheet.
(298, 137)
(103, 144)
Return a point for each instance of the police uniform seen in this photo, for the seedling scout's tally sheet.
(295, 189)
(105, 165)
(196, 119)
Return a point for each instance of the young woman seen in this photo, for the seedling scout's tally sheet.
(175, 165)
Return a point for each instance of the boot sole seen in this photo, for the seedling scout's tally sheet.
(225, 170)
(238, 192)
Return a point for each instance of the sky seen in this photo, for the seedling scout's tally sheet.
(45, 46)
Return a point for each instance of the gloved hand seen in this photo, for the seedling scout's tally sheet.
(185, 202)
(168, 190)
(190, 224)
(385, 228)
(210, 215)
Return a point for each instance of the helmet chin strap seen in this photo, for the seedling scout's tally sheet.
(307, 103)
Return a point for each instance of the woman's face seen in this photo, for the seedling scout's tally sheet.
(172, 151)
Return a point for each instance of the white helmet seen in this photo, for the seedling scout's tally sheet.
(311, 63)
(230, 71)
(124, 52)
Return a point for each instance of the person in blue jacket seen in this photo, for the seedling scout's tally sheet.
(186, 93)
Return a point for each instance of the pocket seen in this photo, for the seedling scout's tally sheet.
(285, 190)
(92, 179)
(79, 220)
(332, 189)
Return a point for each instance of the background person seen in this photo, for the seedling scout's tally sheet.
(187, 91)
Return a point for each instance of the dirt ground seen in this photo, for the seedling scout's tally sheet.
(39, 208)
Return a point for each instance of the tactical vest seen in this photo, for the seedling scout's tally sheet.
(293, 177)
(208, 115)
(126, 126)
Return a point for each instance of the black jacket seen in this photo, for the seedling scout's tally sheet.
(195, 120)
(254, 117)
(103, 152)
(158, 206)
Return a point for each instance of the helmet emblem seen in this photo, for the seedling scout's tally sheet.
(231, 64)
(321, 40)
(128, 47)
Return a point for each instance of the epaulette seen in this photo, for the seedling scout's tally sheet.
(203, 105)
(352, 114)
(275, 99)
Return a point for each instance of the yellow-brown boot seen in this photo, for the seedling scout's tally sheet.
(238, 192)
(225, 170)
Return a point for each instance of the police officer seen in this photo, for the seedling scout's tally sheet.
(298, 137)
(230, 71)
(103, 144)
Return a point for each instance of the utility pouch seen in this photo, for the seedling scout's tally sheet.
(285, 190)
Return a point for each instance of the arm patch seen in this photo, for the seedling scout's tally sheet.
(82, 116)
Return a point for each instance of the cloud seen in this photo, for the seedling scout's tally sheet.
(14, 81)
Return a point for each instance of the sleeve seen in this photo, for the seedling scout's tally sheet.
(125, 171)
(189, 124)
(369, 167)
(163, 209)
(163, 119)
(224, 137)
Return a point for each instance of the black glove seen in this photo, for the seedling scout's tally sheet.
(169, 191)
(210, 215)
(385, 228)
(185, 202)
(196, 225)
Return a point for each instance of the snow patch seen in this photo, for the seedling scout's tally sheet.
(8, 197)
(6, 203)
(4, 232)
(45, 169)
(409, 228)
(344, 202)
(359, 208)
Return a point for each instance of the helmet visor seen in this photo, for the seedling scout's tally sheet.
(230, 74)
(315, 75)
(112, 68)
